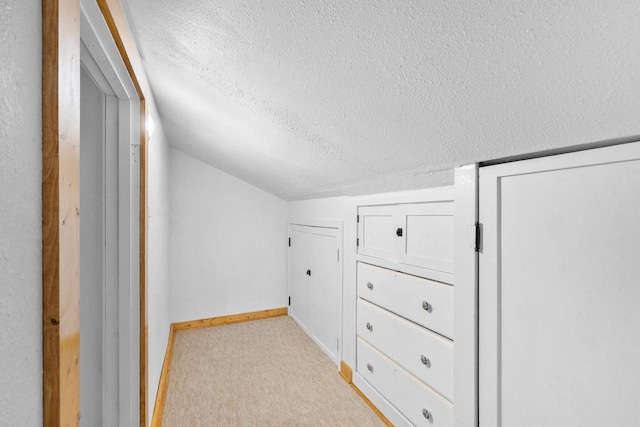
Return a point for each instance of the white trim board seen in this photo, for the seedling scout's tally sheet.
(102, 59)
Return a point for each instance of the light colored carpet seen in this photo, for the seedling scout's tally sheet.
(259, 373)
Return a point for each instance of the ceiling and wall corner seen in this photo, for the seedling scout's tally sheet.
(324, 98)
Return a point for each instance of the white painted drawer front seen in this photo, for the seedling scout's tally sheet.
(412, 398)
(406, 343)
(423, 301)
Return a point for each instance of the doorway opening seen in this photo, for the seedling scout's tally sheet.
(109, 230)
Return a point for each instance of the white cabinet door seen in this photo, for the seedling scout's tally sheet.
(324, 304)
(559, 290)
(298, 278)
(315, 278)
(427, 235)
(377, 227)
(413, 234)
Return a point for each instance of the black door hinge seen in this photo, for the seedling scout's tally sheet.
(289, 241)
(289, 300)
(478, 237)
(358, 218)
(358, 242)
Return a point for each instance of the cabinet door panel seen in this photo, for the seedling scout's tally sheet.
(298, 279)
(377, 231)
(325, 289)
(428, 235)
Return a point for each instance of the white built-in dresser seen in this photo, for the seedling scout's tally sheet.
(404, 345)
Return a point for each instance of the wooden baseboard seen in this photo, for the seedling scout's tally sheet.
(346, 372)
(372, 406)
(228, 320)
(161, 396)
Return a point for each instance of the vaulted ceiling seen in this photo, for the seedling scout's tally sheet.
(319, 98)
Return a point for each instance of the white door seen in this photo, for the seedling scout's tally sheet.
(559, 341)
(298, 277)
(315, 284)
(325, 288)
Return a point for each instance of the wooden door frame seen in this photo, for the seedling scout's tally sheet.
(61, 203)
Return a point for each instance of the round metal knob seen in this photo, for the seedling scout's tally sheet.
(426, 414)
(369, 326)
(425, 360)
(370, 285)
(426, 305)
(370, 367)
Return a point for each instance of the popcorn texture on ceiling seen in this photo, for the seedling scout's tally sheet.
(336, 97)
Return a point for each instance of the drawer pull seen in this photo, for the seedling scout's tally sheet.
(425, 361)
(426, 414)
(369, 326)
(427, 306)
(370, 285)
(370, 367)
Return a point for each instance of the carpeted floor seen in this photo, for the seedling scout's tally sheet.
(258, 373)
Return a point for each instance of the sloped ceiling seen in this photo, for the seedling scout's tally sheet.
(319, 98)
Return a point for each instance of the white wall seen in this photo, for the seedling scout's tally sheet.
(338, 208)
(158, 254)
(228, 243)
(20, 213)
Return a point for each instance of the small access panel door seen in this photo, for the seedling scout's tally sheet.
(377, 227)
(416, 234)
(427, 235)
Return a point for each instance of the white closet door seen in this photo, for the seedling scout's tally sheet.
(325, 288)
(559, 290)
(298, 278)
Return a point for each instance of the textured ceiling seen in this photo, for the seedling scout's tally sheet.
(318, 98)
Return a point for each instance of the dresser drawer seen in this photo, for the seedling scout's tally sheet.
(414, 400)
(423, 301)
(428, 356)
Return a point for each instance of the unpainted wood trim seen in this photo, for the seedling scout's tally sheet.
(144, 319)
(61, 200)
(61, 211)
(372, 406)
(346, 372)
(228, 320)
(161, 395)
(117, 24)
